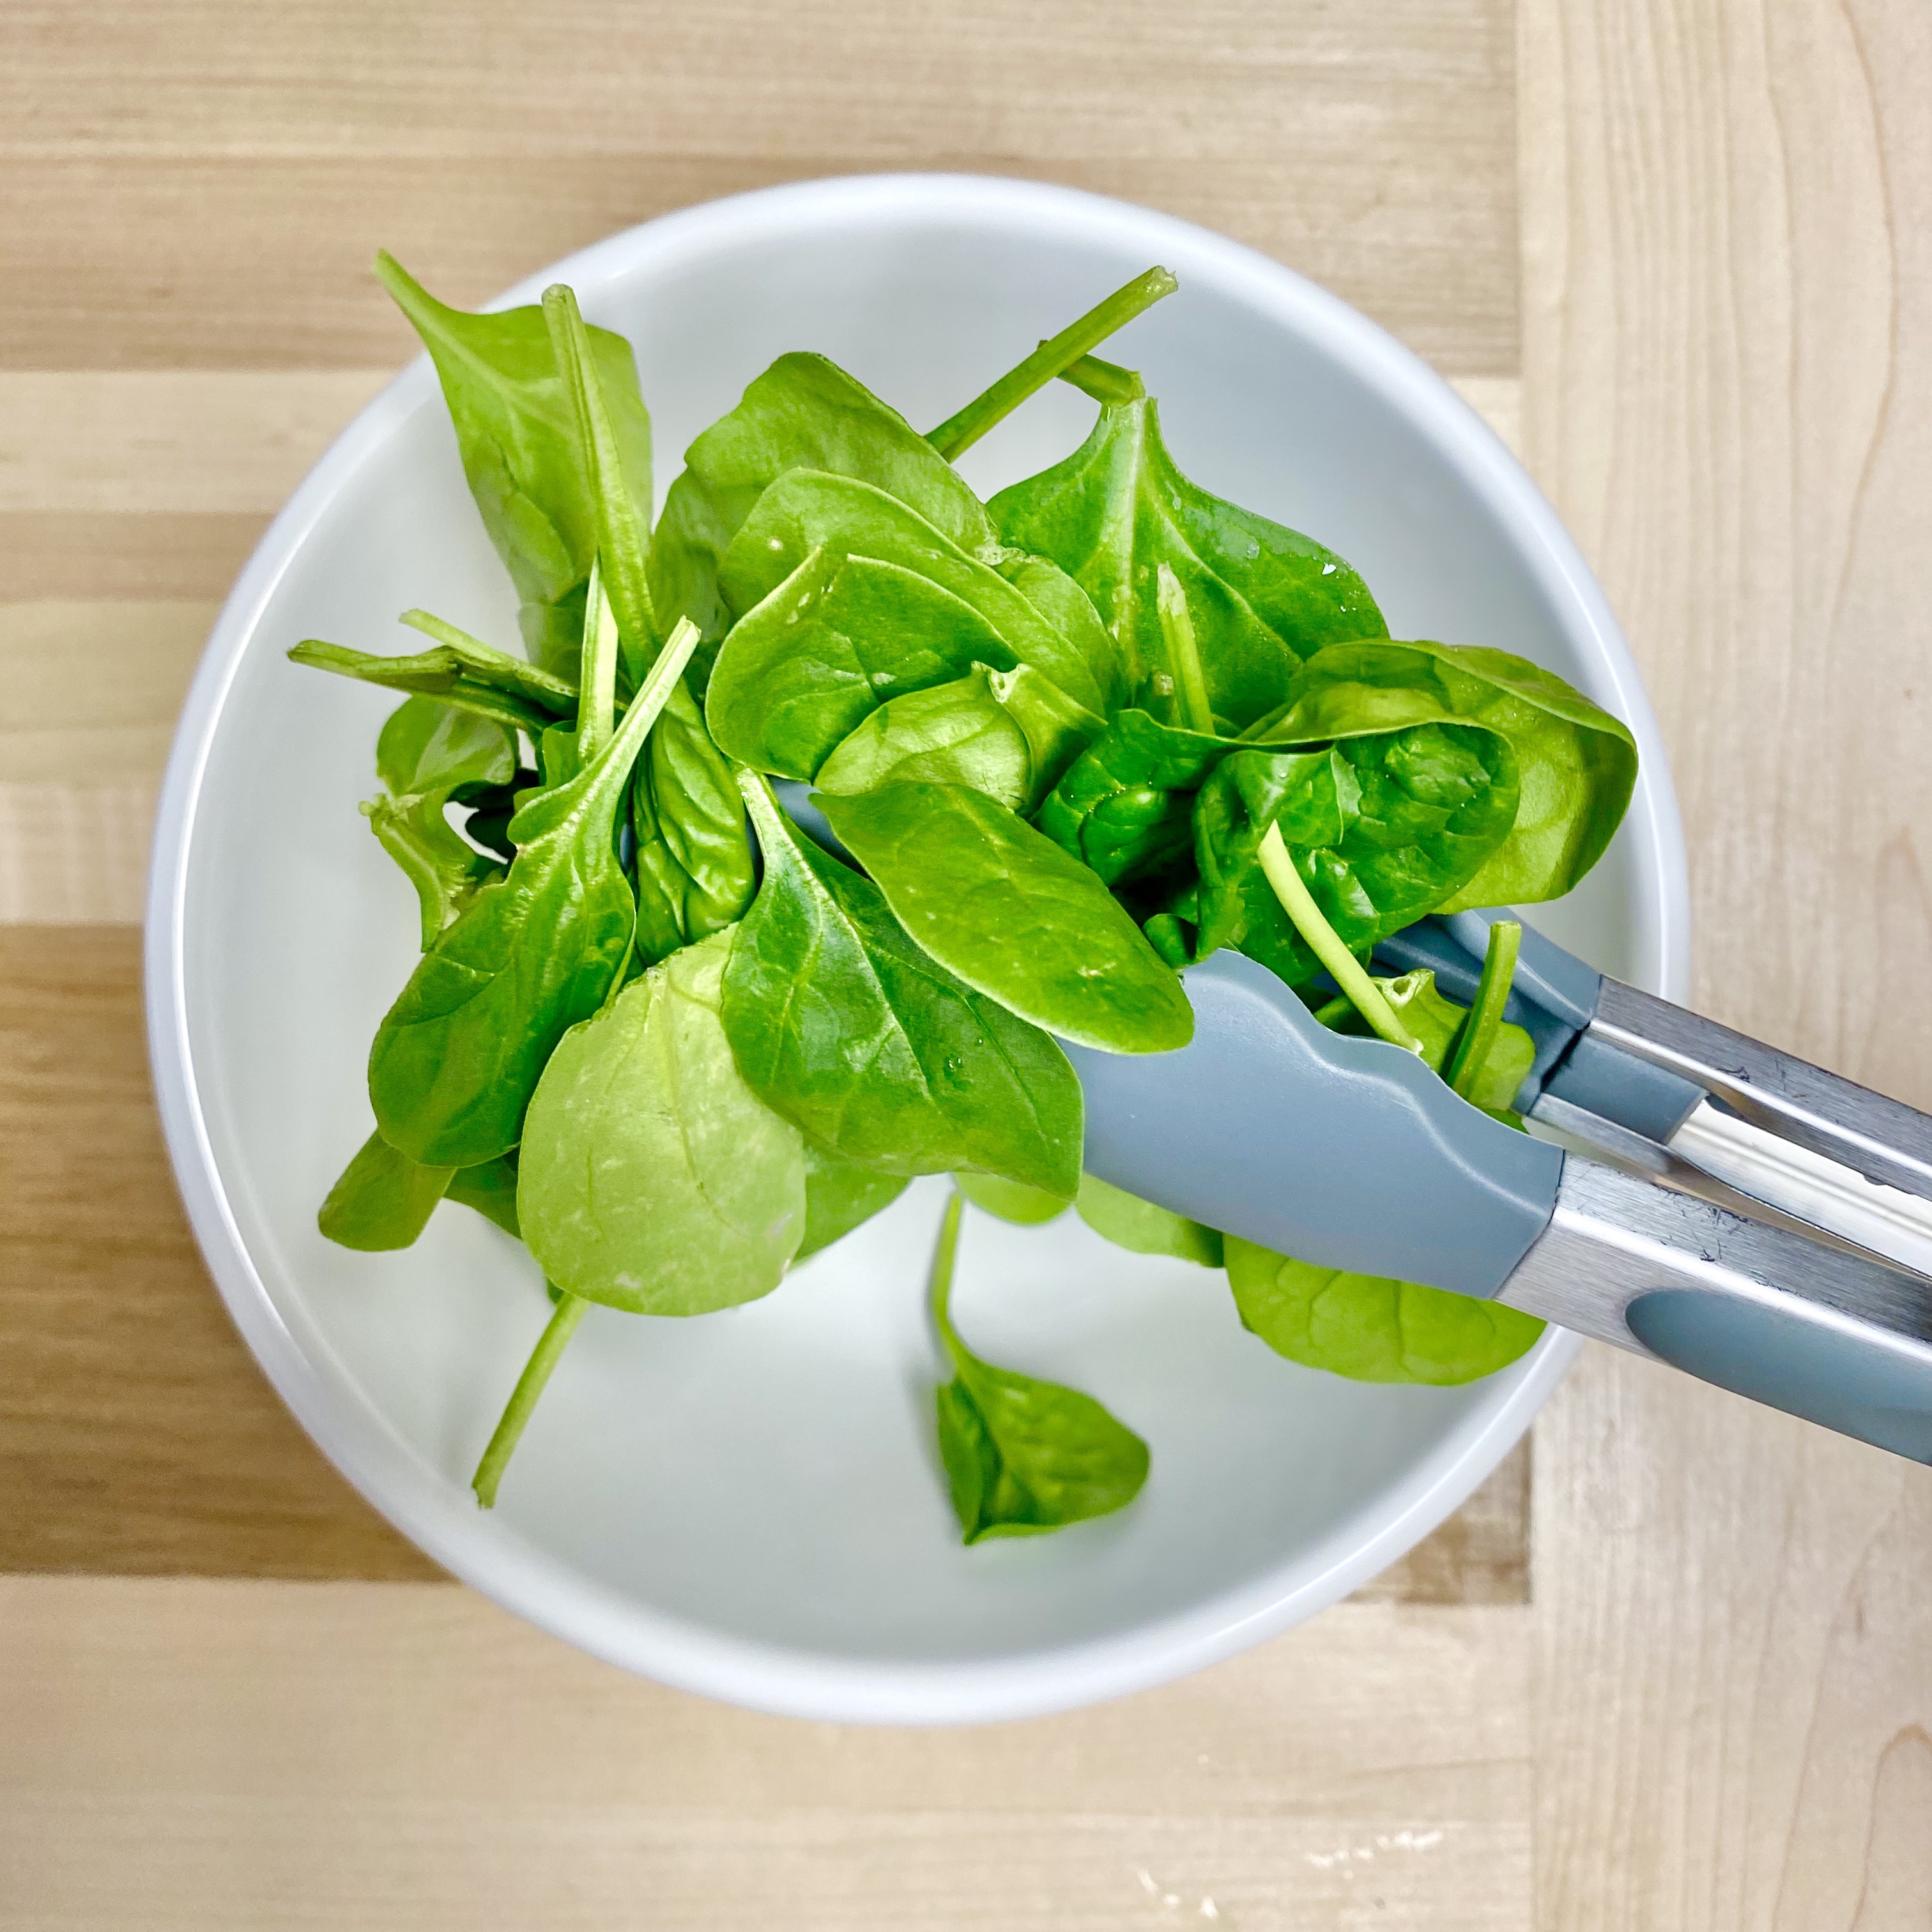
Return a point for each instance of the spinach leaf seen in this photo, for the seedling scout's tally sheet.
(491, 1188)
(1002, 907)
(383, 1200)
(849, 1030)
(428, 756)
(804, 412)
(808, 510)
(1021, 1455)
(1262, 597)
(695, 871)
(1380, 829)
(469, 676)
(651, 1176)
(840, 1195)
(1370, 1329)
(1056, 729)
(1125, 806)
(957, 733)
(517, 429)
(1130, 1223)
(1577, 764)
(457, 1059)
(1011, 1200)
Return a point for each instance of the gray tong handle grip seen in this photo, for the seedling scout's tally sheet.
(1883, 1139)
(1833, 1336)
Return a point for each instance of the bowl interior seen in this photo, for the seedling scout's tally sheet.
(750, 1503)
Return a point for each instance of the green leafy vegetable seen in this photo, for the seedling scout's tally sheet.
(460, 1054)
(804, 412)
(1262, 597)
(1022, 1455)
(383, 1200)
(427, 757)
(1056, 728)
(1002, 907)
(469, 676)
(1011, 1200)
(1129, 1222)
(490, 1189)
(957, 733)
(841, 1195)
(1576, 765)
(1370, 1329)
(651, 1176)
(517, 426)
(853, 1032)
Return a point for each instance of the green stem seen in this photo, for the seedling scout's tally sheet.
(1344, 968)
(1176, 627)
(1478, 1033)
(596, 706)
(1105, 382)
(1337, 1009)
(939, 1282)
(959, 433)
(516, 1412)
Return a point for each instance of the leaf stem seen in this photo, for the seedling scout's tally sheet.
(1176, 627)
(1105, 382)
(523, 1398)
(1478, 1033)
(597, 702)
(939, 1282)
(959, 433)
(1344, 968)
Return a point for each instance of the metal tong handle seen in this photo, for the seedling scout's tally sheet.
(1820, 1332)
(1882, 1139)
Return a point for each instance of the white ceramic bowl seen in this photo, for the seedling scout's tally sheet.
(749, 1504)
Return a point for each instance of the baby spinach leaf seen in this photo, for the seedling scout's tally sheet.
(427, 757)
(1011, 1200)
(1370, 1329)
(1577, 764)
(517, 427)
(1381, 829)
(460, 677)
(840, 1195)
(849, 1030)
(1262, 597)
(804, 412)
(956, 734)
(839, 637)
(695, 872)
(1070, 611)
(1021, 1455)
(1056, 729)
(1130, 1223)
(1126, 805)
(1003, 908)
(651, 1176)
(457, 1059)
(383, 1200)
(491, 1188)
(807, 510)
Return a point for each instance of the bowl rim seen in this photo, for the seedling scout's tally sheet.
(493, 1559)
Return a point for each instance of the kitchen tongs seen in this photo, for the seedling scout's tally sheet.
(1348, 1153)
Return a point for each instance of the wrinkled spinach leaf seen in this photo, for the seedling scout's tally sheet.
(383, 1199)
(851, 1031)
(651, 1177)
(428, 756)
(957, 733)
(456, 1060)
(1130, 1223)
(1002, 907)
(1577, 764)
(1262, 597)
(517, 427)
(1021, 1455)
(1370, 1329)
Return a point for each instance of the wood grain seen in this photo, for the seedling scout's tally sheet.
(137, 1437)
(302, 1756)
(1727, 233)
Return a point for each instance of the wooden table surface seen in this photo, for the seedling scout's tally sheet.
(1678, 1677)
